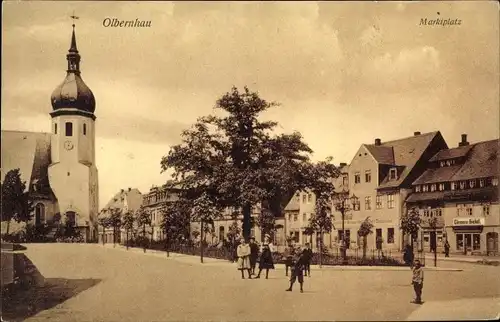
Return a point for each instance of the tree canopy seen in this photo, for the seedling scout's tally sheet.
(237, 160)
(16, 202)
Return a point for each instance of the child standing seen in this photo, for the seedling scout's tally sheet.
(298, 271)
(418, 281)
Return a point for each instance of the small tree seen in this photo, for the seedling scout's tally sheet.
(115, 221)
(175, 221)
(410, 224)
(16, 202)
(104, 222)
(205, 210)
(143, 218)
(365, 229)
(128, 224)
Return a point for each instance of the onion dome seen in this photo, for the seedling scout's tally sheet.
(73, 93)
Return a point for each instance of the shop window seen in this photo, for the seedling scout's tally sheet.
(390, 235)
(476, 241)
(460, 242)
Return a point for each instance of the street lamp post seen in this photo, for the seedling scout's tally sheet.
(342, 207)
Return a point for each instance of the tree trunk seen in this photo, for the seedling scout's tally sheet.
(114, 236)
(201, 242)
(320, 248)
(247, 214)
(144, 237)
(127, 237)
(364, 246)
(103, 234)
(8, 226)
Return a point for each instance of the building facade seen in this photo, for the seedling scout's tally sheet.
(59, 167)
(460, 190)
(154, 202)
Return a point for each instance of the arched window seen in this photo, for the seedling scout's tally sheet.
(39, 214)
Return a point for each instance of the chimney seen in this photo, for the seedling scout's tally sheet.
(378, 142)
(416, 133)
(343, 164)
(464, 141)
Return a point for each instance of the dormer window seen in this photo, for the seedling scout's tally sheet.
(472, 183)
(453, 186)
(417, 189)
(393, 174)
(433, 187)
(425, 188)
(462, 185)
(481, 183)
(441, 186)
(494, 182)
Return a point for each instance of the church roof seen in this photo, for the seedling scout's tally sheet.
(30, 152)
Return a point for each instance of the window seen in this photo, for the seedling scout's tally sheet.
(494, 182)
(69, 129)
(297, 197)
(486, 210)
(417, 188)
(462, 185)
(425, 188)
(441, 186)
(84, 129)
(39, 214)
(357, 178)
(468, 210)
(476, 241)
(481, 183)
(393, 174)
(368, 203)
(453, 186)
(378, 202)
(345, 180)
(433, 187)
(368, 176)
(304, 198)
(356, 205)
(426, 212)
(390, 201)
(295, 217)
(460, 209)
(460, 241)
(304, 217)
(441, 164)
(472, 183)
(309, 197)
(289, 217)
(390, 235)
(55, 128)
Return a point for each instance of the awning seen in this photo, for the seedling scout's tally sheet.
(426, 196)
(468, 229)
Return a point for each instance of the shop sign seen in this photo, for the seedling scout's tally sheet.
(471, 221)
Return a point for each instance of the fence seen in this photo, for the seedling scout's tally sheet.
(373, 257)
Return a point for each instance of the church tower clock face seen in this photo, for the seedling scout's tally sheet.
(68, 145)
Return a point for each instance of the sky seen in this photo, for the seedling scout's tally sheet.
(343, 72)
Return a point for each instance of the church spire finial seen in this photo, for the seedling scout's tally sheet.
(73, 37)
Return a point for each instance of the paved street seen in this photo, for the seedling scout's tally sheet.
(92, 282)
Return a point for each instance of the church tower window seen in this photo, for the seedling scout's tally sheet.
(84, 129)
(69, 129)
(55, 128)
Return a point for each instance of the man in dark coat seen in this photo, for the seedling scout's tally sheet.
(298, 270)
(254, 254)
(308, 254)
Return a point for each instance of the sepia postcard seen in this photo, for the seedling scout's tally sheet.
(250, 161)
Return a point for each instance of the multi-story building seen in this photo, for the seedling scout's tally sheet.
(154, 201)
(460, 189)
(126, 200)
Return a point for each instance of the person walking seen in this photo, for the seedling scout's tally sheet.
(308, 254)
(254, 254)
(298, 270)
(418, 281)
(446, 248)
(288, 257)
(243, 252)
(407, 256)
(266, 256)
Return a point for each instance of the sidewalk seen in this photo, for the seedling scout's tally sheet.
(195, 259)
(461, 258)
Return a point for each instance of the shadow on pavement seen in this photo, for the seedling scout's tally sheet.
(23, 303)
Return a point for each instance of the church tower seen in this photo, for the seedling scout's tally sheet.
(73, 172)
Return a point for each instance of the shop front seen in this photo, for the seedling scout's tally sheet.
(468, 235)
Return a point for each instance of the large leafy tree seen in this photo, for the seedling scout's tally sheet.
(175, 221)
(143, 219)
(237, 160)
(104, 222)
(115, 221)
(266, 222)
(410, 224)
(16, 202)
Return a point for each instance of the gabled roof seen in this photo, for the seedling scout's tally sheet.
(406, 153)
(293, 204)
(132, 199)
(435, 175)
(30, 152)
(383, 154)
(447, 154)
(481, 162)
